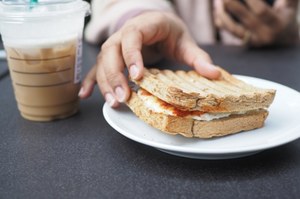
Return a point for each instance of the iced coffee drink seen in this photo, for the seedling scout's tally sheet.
(46, 79)
(45, 58)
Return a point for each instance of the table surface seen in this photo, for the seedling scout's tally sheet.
(83, 157)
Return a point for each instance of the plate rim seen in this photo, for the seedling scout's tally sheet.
(216, 151)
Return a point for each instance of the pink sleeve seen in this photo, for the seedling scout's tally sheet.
(109, 15)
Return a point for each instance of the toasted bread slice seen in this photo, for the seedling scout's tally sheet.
(189, 127)
(191, 91)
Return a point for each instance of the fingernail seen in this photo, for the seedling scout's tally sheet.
(110, 99)
(119, 91)
(134, 71)
(81, 92)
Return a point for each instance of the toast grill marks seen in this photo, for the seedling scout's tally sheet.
(194, 92)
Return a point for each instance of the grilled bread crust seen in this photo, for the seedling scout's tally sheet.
(191, 91)
(189, 127)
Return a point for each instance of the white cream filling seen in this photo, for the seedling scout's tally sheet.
(210, 116)
(154, 104)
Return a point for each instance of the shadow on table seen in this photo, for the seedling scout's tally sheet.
(266, 163)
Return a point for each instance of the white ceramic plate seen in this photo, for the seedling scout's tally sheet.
(282, 126)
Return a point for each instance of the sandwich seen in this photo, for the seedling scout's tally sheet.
(186, 103)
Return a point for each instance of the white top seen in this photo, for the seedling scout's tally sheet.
(107, 14)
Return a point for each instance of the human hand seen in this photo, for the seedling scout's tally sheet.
(163, 32)
(259, 24)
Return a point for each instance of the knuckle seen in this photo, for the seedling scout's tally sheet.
(101, 81)
(130, 54)
(106, 45)
(113, 40)
(159, 18)
(113, 78)
(128, 28)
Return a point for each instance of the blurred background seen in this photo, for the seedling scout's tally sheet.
(88, 18)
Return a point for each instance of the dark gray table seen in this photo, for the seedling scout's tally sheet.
(3, 65)
(83, 157)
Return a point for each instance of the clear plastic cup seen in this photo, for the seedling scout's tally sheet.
(43, 43)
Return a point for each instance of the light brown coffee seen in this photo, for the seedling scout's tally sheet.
(44, 80)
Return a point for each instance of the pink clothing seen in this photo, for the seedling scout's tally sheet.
(109, 15)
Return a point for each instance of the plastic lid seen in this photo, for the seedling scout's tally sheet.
(23, 10)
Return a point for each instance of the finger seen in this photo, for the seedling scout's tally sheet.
(105, 88)
(218, 9)
(137, 33)
(261, 33)
(286, 4)
(226, 22)
(88, 84)
(131, 50)
(190, 54)
(113, 66)
(264, 12)
(243, 14)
